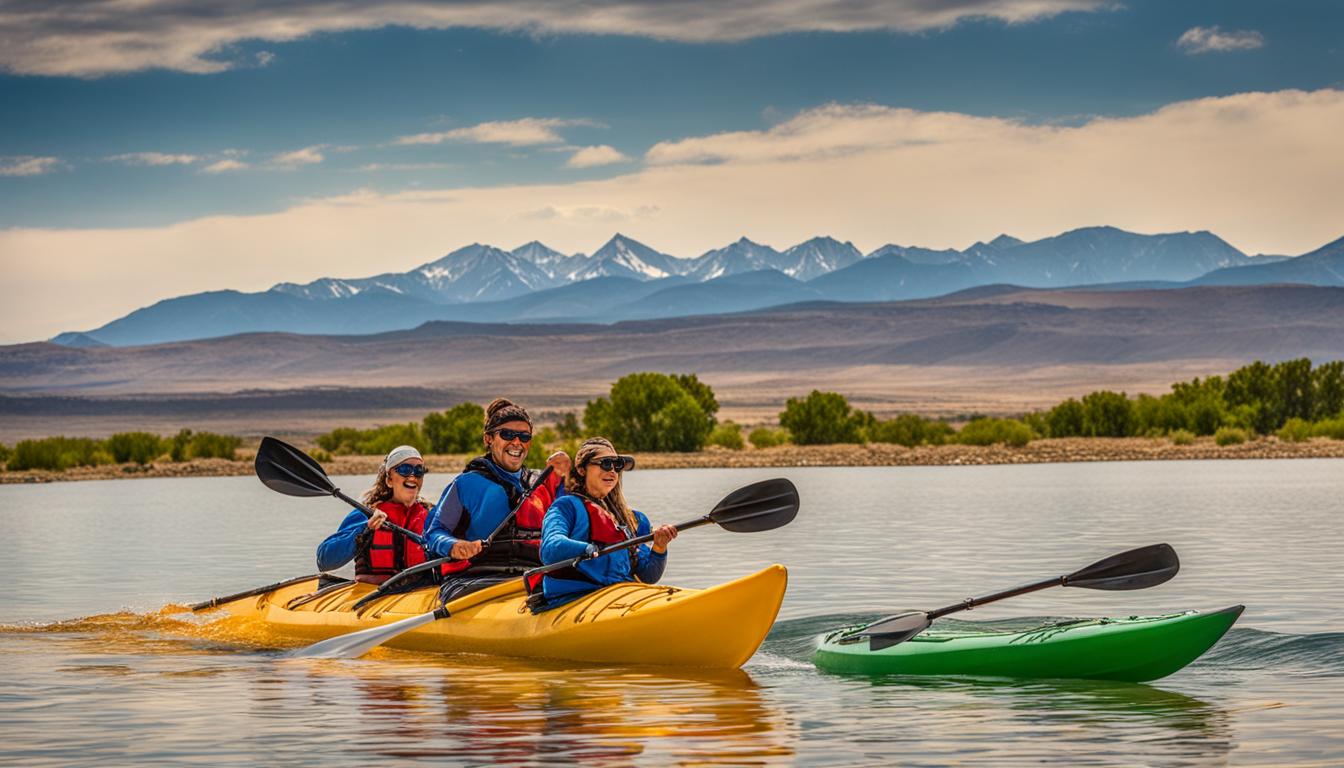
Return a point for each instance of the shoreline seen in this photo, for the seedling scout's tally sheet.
(1047, 451)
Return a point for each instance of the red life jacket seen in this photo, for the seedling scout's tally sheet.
(603, 529)
(518, 546)
(388, 552)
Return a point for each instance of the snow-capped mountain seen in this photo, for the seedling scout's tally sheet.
(818, 256)
(737, 258)
(623, 257)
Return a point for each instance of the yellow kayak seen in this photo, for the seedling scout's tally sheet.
(628, 623)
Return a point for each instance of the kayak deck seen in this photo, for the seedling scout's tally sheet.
(628, 623)
(1133, 649)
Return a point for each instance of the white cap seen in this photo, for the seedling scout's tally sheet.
(399, 454)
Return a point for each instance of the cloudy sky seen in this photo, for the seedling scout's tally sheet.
(172, 146)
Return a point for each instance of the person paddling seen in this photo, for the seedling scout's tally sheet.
(481, 498)
(395, 498)
(592, 514)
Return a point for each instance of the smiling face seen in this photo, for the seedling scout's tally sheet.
(596, 481)
(508, 454)
(405, 490)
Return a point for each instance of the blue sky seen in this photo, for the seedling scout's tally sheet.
(182, 129)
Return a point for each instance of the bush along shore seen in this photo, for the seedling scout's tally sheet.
(1259, 411)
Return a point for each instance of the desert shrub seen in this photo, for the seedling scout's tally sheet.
(5, 453)
(727, 435)
(58, 453)
(456, 430)
(821, 418)
(906, 429)
(1182, 437)
(138, 447)
(1331, 428)
(1107, 414)
(211, 445)
(1066, 419)
(1229, 436)
(765, 437)
(371, 442)
(320, 454)
(988, 431)
(653, 412)
(1295, 430)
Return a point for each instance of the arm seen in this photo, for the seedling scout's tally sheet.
(649, 565)
(557, 531)
(340, 547)
(441, 521)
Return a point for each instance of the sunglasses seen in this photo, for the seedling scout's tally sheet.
(617, 463)
(510, 435)
(410, 470)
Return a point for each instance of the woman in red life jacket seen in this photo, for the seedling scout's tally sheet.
(593, 515)
(395, 497)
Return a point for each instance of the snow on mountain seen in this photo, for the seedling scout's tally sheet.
(818, 256)
(623, 257)
(734, 259)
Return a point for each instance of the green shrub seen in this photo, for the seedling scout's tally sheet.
(653, 412)
(1066, 419)
(371, 442)
(568, 426)
(5, 453)
(209, 445)
(1108, 414)
(726, 435)
(1182, 437)
(319, 454)
(1331, 428)
(138, 447)
(906, 429)
(821, 418)
(1295, 430)
(58, 453)
(765, 437)
(1229, 436)
(456, 430)
(988, 431)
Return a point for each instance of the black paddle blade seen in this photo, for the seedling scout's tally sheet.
(894, 630)
(286, 469)
(1136, 569)
(760, 506)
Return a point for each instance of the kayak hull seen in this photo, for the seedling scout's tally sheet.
(629, 623)
(1134, 649)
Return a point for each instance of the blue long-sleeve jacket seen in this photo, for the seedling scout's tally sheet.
(484, 503)
(340, 547)
(566, 533)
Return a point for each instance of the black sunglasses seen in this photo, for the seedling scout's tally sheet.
(510, 435)
(409, 470)
(618, 463)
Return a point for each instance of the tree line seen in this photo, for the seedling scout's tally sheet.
(62, 453)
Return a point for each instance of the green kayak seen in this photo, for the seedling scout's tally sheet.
(1134, 649)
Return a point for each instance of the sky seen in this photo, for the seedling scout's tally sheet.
(166, 147)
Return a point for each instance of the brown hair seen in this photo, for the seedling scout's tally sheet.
(502, 411)
(614, 501)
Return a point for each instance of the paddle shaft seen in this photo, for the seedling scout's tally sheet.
(393, 527)
(972, 602)
(214, 601)
(617, 547)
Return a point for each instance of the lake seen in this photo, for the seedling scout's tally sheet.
(94, 672)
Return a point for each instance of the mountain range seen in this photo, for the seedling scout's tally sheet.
(626, 280)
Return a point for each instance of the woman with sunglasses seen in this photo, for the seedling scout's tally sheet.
(395, 498)
(483, 498)
(594, 514)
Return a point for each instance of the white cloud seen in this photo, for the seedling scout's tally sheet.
(28, 165)
(299, 157)
(590, 157)
(224, 166)
(88, 39)
(153, 159)
(1259, 169)
(1215, 40)
(527, 132)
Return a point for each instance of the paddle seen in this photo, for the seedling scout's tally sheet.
(414, 570)
(215, 601)
(760, 506)
(1136, 569)
(284, 468)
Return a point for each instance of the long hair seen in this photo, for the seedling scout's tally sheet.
(613, 502)
(381, 490)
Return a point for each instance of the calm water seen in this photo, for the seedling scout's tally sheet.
(92, 672)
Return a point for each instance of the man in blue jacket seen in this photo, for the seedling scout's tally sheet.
(478, 500)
